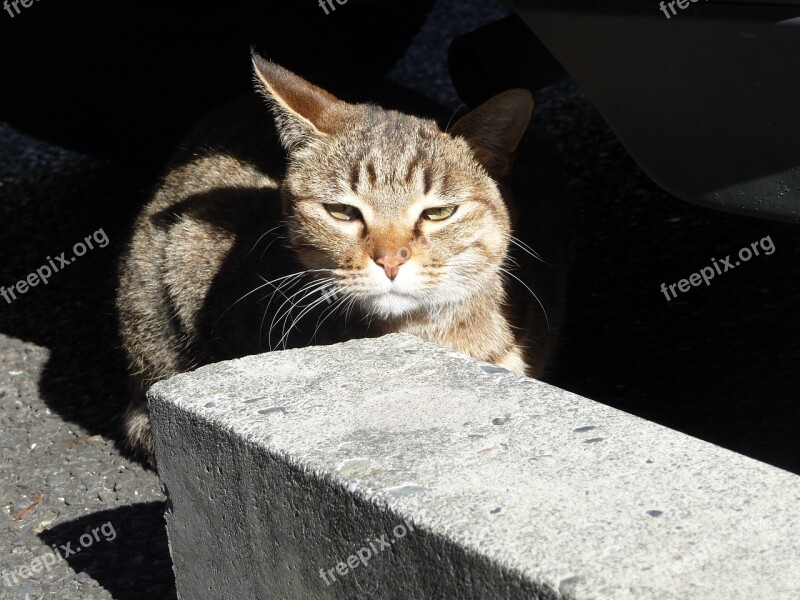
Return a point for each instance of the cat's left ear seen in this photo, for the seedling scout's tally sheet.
(302, 110)
(494, 129)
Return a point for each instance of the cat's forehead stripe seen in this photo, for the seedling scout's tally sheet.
(372, 175)
(355, 176)
(375, 170)
(412, 166)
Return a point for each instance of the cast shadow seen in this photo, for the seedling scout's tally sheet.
(124, 549)
(84, 378)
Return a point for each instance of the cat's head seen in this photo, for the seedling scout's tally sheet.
(400, 215)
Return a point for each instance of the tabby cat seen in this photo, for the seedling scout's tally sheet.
(329, 221)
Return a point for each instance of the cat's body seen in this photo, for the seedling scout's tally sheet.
(391, 224)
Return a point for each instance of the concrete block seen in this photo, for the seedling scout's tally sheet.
(293, 475)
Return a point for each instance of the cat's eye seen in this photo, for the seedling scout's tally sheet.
(439, 213)
(343, 212)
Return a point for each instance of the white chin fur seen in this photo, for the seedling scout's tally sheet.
(392, 298)
(391, 305)
(401, 296)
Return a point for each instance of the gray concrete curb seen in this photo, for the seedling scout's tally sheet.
(282, 468)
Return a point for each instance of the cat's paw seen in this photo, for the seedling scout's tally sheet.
(136, 427)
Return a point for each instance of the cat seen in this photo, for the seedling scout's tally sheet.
(293, 217)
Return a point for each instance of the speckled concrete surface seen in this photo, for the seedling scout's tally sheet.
(578, 498)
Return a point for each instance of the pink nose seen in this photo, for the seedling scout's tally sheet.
(391, 264)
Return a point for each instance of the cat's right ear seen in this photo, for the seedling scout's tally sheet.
(302, 111)
(495, 128)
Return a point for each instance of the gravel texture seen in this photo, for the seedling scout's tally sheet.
(719, 362)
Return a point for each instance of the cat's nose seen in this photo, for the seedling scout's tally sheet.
(391, 264)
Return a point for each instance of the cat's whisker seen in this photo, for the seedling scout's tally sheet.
(327, 292)
(265, 284)
(258, 241)
(287, 299)
(305, 272)
(288, 284)
(293, 237)
(307, 290)
(348, 311)
(327, 312)
(281, 236)
(527, 249)
(305, 311)
(253, 291)
(269, 246)
(339, 301)
(292, 279)
(453, 116)
(547, 320)
(510, 259)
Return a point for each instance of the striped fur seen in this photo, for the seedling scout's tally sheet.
(236, 210)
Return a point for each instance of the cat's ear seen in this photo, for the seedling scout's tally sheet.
(302, 111)
(493, 130)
